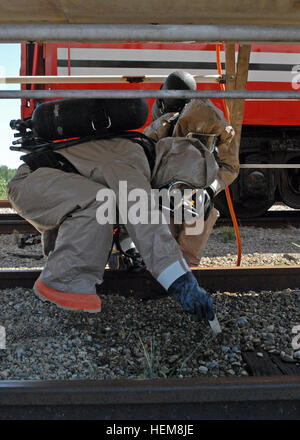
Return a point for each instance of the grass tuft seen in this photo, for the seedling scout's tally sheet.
(228, 233)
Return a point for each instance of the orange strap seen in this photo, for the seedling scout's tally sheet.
(227, 190)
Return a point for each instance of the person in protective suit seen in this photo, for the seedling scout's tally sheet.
(50, 198)
(199, 116)
(176, 118)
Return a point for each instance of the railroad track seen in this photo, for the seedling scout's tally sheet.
(273, 219)
(272, 391)
(143, 285)
(13, 222)
(257, 398)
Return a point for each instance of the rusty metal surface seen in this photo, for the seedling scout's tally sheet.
(230, 279)
(272, 219)
(13, 222)
(5, 204)
(160, 399)
(151, 11)
(143, 285)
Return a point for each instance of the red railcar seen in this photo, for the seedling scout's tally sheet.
(270, 129)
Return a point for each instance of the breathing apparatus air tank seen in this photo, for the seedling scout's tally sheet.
(72, 118)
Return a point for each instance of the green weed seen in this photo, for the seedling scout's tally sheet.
(227, 233)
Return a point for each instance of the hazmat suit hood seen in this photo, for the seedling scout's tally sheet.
(185, 159)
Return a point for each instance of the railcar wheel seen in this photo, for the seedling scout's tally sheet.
(252, 207)
(289, 185)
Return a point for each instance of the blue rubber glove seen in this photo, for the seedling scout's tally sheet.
(192, 298)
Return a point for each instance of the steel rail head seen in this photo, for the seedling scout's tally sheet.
(254, 398)
(141, 32)
(130, 94)
(230, 279)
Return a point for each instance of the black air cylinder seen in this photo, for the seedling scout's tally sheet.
(71, 118)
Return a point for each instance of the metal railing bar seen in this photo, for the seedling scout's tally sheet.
(131, 94)
(141, 32)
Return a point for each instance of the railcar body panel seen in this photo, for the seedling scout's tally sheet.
(270, 128)
(272, 67)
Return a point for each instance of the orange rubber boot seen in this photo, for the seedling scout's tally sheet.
(69, 301)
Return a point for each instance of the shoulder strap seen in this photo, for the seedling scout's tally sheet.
(144, 141)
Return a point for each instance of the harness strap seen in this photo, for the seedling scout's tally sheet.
(48, 159)
(39, 154)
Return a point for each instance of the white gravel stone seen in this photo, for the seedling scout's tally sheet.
(7, 211)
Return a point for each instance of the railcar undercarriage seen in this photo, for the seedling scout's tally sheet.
(257, 189)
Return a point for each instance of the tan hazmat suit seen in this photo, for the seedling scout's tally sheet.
(200, 116)
(49, 198)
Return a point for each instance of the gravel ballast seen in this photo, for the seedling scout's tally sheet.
(260, 246)
(131, 338)
(12, 257)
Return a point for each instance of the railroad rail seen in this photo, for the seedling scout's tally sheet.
(5, 204)
(13, 222)
(159, 399)
(273, 219)
(143, 285)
